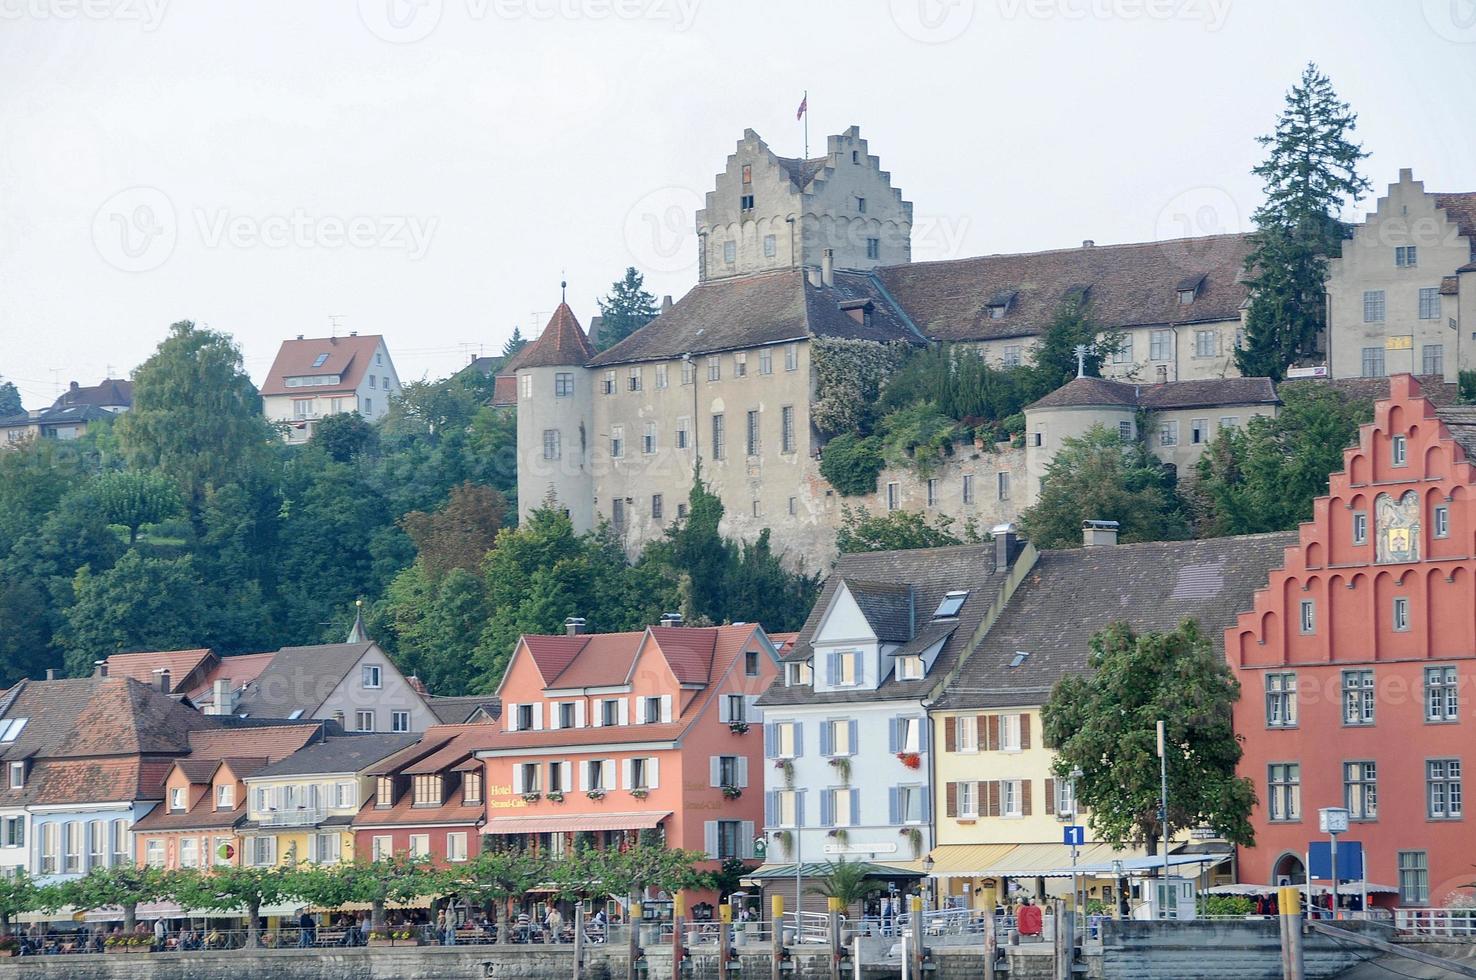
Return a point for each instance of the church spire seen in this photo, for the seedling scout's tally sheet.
(358, 633)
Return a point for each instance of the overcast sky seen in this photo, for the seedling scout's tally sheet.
(429, 169)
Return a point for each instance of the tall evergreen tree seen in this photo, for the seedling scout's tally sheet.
(1310, 172)
(628, 308)
(514, 343)
(10, 399)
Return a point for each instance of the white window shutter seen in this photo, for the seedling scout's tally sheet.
(653, 768)
(625, 773)
(607, 773)
(724, 715)
(511, 712)
(584, 775)
(622, 713)
(743, 772)
(538, 716)
(598, 720)
(745, 838)
(665, 709)
(714, 770)
(518, 777)
(554, 715)
(710, 839)
(578, 714)
(568, 777)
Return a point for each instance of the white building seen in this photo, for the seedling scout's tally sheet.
(312, 379)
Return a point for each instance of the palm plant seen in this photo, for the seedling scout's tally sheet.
(844, 881)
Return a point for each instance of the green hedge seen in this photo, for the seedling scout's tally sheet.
(851, 463)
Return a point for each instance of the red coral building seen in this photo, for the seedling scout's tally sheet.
(1356, 661)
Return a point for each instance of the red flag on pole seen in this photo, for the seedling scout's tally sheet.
(804, 106)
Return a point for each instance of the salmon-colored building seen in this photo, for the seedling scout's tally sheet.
(1357, 659)
(615, 734)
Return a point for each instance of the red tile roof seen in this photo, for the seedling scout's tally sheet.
(348, 357)
(688, 650)
(181, 664)
(1461, 208)
(405, 813)
(593, 737)
(271, 742)
(604, 659)
(573, 822)
(562, 342)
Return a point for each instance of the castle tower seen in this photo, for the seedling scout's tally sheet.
(555, 400)
(772, 212)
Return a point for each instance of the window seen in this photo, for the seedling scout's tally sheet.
(1360, 790)
(368, 406)
(1206, 343)
(654, 710)
(525, 777)
(525, 386)
(719, 437)
(845, 668)
(384, 791)
(648, 438)
(617, 441)
(456, 847)
(50, 847)
(752, 440)
(1284, 796)
(551, 444)
(1414, 878)
(838, 737)
(911, 801)
(371, 381)
(766, 361)
(1430, 310)
(1373, 362)
(261, 851)
(13, 832)
(681, 509)
(325, 848)
(364, 721)
(320, 360)
(640, 773)
(997, 311)
(656, 506)
(118, 842)
(726, 770)
(607, 383)
(594, 775)
(750, 663)
(734, 708)
(1281, 700)
(419, 846)
(1009, 733)
(1373, 306)
(1014, 355)
(610, 711)
(177, 797)
(1406, 256)
(1401, 614)
(427, 790)
(770, 247)
(933, 492)
(787, 810)
(793, 506)
(1004, 486)
(399, 721)
(681, 433)
(910, 668)
(371, 675)
(1309, 616)
(1160, 345)
(1358, 697)
(786, 739)
(1123, 352)
(189, 852)
(714, 368)
(1229, 422)
(730, 252)
(524, 717)
(153, 853)
(838, 807)
(97, 844)
(633, 379)
(968, 488)
(382, 848)
(471, 788)
(894, 496)
(740, 365)
(1442, 694)
(1199, 431)
(1399, 450)
(1065, 798)
(661, 379)
(1443, 788)
(786, 429)
(745, 201)
(617, 513)
(223, 852)
(910, 734)
(1124, 430)
(873, 248)
(1433, 359)
(757, 509)
(689, 372)
(1442, 521)
(563, 384)
(1360, 527)
(791, 357)
(1168, 433)
(17, 775)
(1011, 798)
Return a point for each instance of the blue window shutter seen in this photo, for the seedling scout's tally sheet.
(855, 737)
(892, 736)
(770, 741)
(832, 668)
(826, 748)
(769, 808)
(855, 805)
(827, 807)
(799, 740)
(924, 733)
(927, 804)
(894, 814)
(860, 669)
(799, 808)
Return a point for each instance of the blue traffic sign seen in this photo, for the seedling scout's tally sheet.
(1073, 834)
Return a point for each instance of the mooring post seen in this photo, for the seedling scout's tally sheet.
(833, 933)
(725, 939)
(678, 929)
(1291, 913)
(991, 941)
(633, 941)
(578, 940)
(917, 937)
(776, 942)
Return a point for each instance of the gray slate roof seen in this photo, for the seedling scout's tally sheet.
(1072, 594)
(456, 710)
(300, 678)
(1201, 393)
(931, 573)
(764, 308)
(339, 753)
(887, 606)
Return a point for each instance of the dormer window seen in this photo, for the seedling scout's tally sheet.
(859, 310)
(951, 604)
(17, 775)
(845, 668)
(799, 673)
(910, 668)
(225, 797)
(428, 790)
(525, 717)
(384, 792)
(471, 788)
(999, 304)
(1186, 296)
(177, 798)
(1188, 289)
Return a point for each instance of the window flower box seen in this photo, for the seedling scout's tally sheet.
(731, 792)
(912, 760)
(532, 797)
(640, 793)
(738, 727)
(595, 794)
(555, 797)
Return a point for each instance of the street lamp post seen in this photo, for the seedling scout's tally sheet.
(1333, 820)
(1163, 813)
(932, 885)
(1077, 899)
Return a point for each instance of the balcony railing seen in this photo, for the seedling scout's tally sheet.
(299, 817)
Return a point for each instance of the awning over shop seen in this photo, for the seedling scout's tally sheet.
(149, 911)
(1345, 889)
(1046, 860)
(967, 860)
(576, 822)
(1144, 865)
(419, 902)
(821, 869)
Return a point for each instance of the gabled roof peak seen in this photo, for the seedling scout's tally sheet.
(563, 342)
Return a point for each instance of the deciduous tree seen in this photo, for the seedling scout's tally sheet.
(234, 890)
(123, 886)
(134, 498)
(896, 530)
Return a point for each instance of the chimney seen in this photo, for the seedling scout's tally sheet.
(161, 680)
(813, 274)
(1007, 545)
(827, 266)
(1087, 243)
(99, 668)
(353, 333)
(223, 697)
(574, 626)
(1096, 534)
(666, 303)
(671, 619)
(1406, 175)
(51, 673)
(299, 336)
(73, 386)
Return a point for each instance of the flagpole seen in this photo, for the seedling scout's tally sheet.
(807, 123)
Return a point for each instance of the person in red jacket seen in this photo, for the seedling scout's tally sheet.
(1029, 920)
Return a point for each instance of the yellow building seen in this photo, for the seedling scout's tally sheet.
(301, 808)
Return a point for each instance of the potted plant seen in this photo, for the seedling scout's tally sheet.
(738, 727)
(786, 766)
(9, 946)
(914, 839)
(912, 760)
(731, 792)
(785, 839)
(595, 794)
(842, 766)
(532, 797)
(640, 793)
(555, 796)
(394, 937)
(839, 834)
